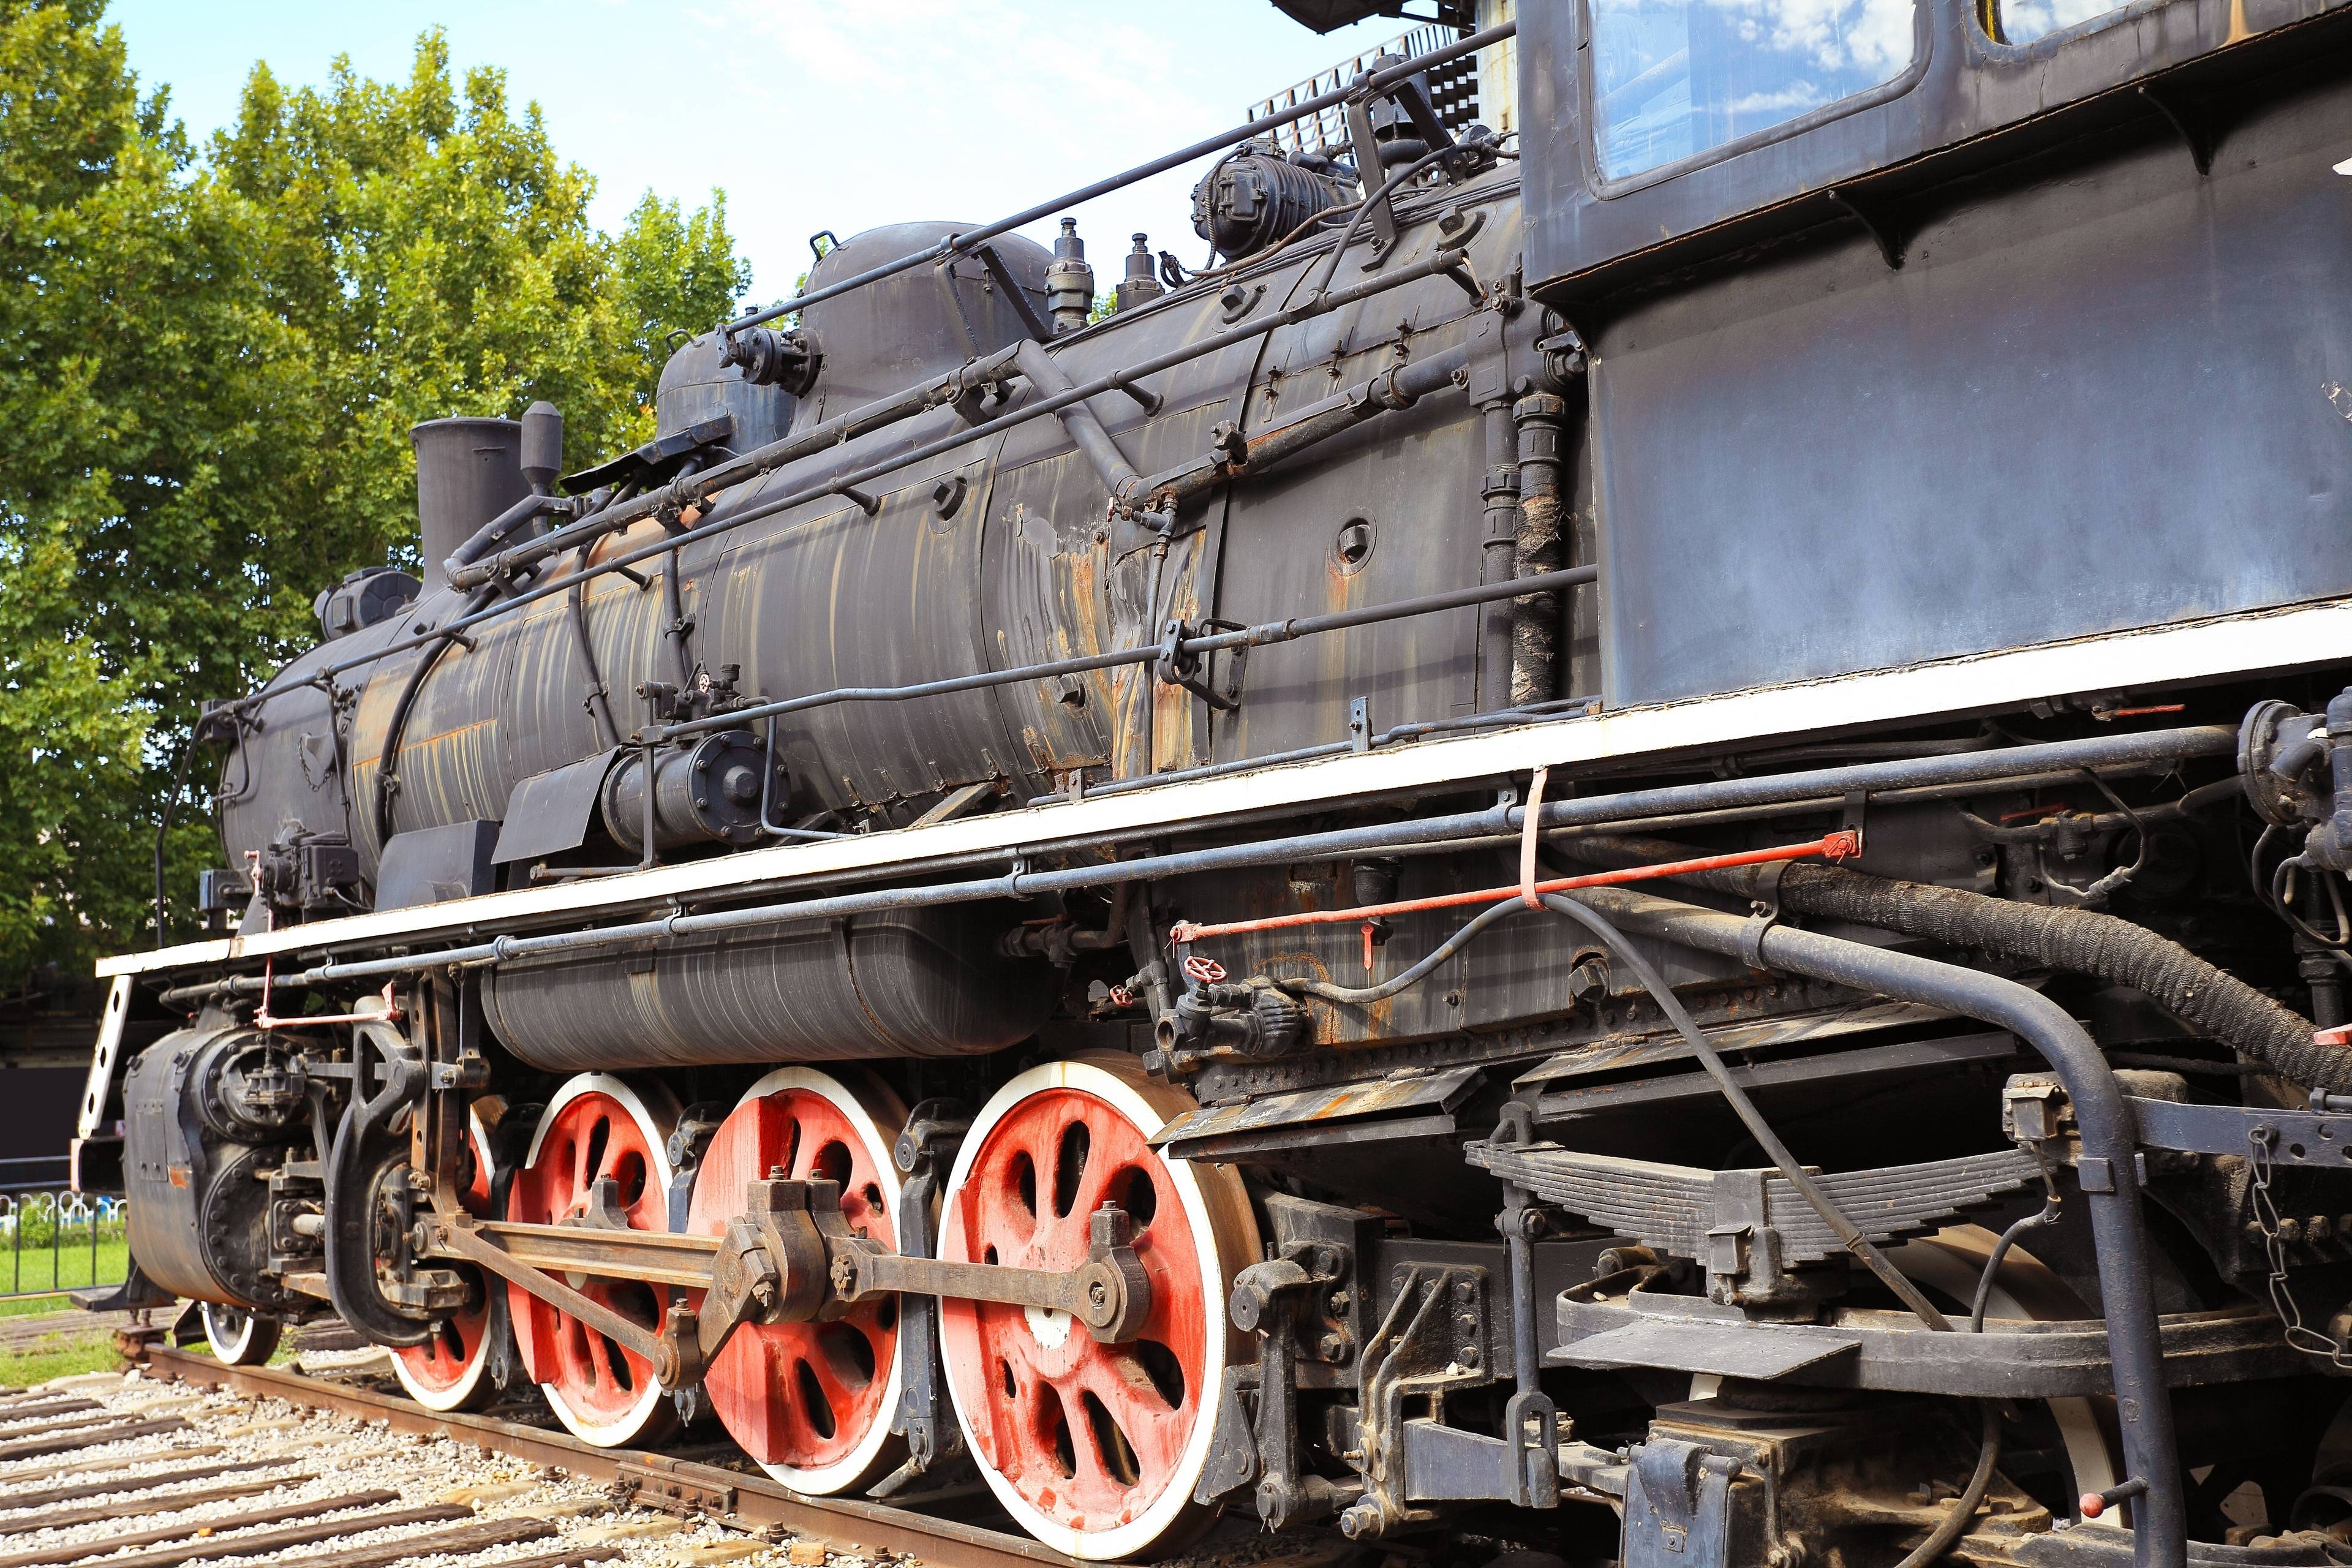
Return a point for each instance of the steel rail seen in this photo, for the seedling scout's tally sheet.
(960, 243)
(750, 1502)
(1505, 817)
(1444, 260)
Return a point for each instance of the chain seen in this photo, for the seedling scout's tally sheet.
(2260, 1139)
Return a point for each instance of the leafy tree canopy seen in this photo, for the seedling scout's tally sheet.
(209, 361)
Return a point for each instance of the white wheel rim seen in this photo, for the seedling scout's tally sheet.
(1147, 1527)
(629, 1427)
(825, 1479)
(226, 1347)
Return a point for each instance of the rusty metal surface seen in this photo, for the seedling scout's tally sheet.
(1025, 568)
(759, 1503)
(1616, 1055)
(1409, 1091)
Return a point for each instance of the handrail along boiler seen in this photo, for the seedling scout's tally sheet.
(1629, 842)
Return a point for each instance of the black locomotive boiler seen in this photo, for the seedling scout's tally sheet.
(1628, 843)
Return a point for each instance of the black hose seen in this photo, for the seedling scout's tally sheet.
(2046, 1215)
(1745, 1108)
(494, 532)
(600, 701)
(1964, 1508)
(1362, 996)
(2110, 1141)
(1378, 195)
(2083, 941)
(387, 765)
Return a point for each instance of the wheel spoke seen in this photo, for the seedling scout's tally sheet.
(1091, 1447)
(812, 1404)
(1154, 1430)
(596, 1126)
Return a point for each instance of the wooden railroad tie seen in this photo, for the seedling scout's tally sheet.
(25, 1410)
(125, 1484)
(121, 1462)
(478, 1536)
(204, 1538)
(62, 1518)
(89, 1438)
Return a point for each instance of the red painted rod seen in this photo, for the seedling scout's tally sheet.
(1840, 845)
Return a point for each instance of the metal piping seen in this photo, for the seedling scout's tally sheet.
(387, 765)
(1540, 417)
(1584, 708)
(497, 528)
(1260, 636)
(599, 701)
(2110, 1139)
(955, 244)
(1497, 551)
(1392, 390)
(2082, 941)
(1429, 265)
(1079, 421)
(966, 379)
(1499, 819)
(1836, 845)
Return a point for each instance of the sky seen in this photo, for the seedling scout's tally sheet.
(809, 116)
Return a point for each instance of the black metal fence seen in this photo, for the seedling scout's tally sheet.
(54, 1239)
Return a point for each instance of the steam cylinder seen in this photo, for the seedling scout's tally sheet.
(205, 1124)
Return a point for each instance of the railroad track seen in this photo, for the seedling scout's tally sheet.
(195, 1461)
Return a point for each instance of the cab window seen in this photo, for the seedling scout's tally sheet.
(2023, 21)
(1672, 78)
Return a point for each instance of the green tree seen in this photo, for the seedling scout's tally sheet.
(208, 367)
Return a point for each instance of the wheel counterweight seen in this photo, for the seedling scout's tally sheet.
(812, 1403)
(1094, 1449)
(597, 1127)
(446, 1372)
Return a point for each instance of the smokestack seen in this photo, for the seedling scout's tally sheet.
(468, 471)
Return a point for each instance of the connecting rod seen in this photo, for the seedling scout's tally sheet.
(790, 1257)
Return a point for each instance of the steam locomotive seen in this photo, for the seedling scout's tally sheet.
(1629, 843)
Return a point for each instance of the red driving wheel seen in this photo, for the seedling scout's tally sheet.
(1094, 1449)
(445, 1372)
(597, 1126)
(812, 1403)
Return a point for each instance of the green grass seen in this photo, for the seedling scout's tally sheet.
(61, 1354)
(35, 1269)
(33, 1306)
